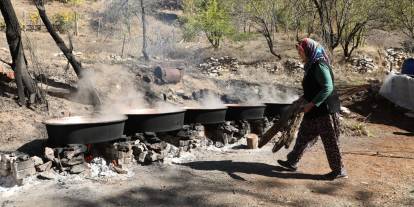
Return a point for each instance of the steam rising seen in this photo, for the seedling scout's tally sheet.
(274, 95)
(120, 91)
(211, 100)
(254, 94)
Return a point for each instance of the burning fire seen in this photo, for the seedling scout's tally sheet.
(88, 154)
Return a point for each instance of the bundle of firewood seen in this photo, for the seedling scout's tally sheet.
(288, 125)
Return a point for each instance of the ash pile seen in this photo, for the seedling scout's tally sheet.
(218, 66)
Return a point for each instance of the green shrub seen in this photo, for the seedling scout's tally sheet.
(242, 36)
(63, 21)
(209, 17)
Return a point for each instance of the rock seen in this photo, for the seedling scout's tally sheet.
(158, 147)
(37, 160)
(185, 148)
(219, 144)
(78, 169)
(345, 110)
(166, 150)
(138, 149)
(44, 167)
(74, 161)
(119, 170)
(216, 66)
(184, 143)
(22, 169)
(49, 154)
(175, 151)
(49, 175)
(69, 154)
(152, 156)
(199, 128)
(142, 156)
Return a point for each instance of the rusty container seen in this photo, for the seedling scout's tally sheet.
(168, 75)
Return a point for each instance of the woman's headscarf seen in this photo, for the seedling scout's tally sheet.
(313, 51)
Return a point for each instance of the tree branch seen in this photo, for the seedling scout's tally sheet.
(5, 62)
(76, 65)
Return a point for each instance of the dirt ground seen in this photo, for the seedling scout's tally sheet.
(241, 177)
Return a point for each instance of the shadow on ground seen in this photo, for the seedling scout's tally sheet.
(231, 168)
(384, 113)
(186, 189)
(33, 148)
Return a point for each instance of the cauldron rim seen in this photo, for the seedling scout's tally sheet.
(190, 108)
(244, 105)
(85, 120)
(152, 111)
(277, 103)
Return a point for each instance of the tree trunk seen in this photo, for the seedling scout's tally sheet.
(268, 36)
(76, 65)
(76, 24)
(24, 81)
(144, 32)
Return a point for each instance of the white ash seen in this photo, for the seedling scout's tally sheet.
(9, 186)
(182, 157)
(99, 168)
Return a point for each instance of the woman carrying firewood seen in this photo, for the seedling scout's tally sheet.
(321, 108)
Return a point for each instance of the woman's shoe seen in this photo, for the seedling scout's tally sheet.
(335, 175)
(287, 165)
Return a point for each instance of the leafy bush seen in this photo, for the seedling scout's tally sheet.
(208, 17)
(64, 20)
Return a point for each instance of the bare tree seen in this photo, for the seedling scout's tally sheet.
(26, 86)
(123, 11)
(76, 65)
(353, 39)
(264, 15)
(402, 15)
(333, 15)
(343, 22)
(144, 31)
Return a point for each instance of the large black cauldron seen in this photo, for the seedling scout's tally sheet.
(153, 120)
(244, 112)
(201, 115)
(84, 129)
(274, 110)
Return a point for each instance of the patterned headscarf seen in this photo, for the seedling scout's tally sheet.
(313, 51)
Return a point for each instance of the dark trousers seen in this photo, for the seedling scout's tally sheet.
(327, 127)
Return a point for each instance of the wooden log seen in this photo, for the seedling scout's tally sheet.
(252, 141)
(280, 126)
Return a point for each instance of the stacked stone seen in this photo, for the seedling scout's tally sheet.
(217, 66)
(363, 64)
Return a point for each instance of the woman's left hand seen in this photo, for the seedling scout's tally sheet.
(308, 107)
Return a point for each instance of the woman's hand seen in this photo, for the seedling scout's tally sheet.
(308, 107)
